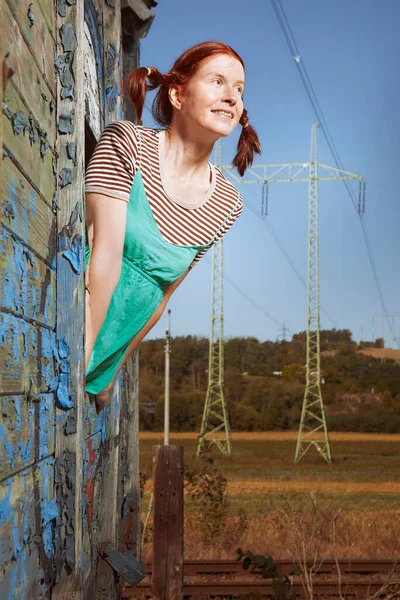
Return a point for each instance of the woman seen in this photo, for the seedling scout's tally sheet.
(154, 203)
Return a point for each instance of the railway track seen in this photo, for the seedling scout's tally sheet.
(349, 578)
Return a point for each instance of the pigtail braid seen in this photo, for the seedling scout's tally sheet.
(140, 81)
(247, 145)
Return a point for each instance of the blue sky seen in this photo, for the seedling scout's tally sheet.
(351, 53)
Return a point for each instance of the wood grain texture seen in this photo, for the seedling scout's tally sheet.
(27, 431)
(27, 515)
(24, 153)
(36, 34)
(109, 495)
(70, 448)
(26, 215)
(27, 284)
(168, 522)
(131, 525)
(1, 96)
(48, 10)
(27, 77)
(26, 357)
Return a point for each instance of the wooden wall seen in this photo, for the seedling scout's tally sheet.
(69, 479)
(28, 258)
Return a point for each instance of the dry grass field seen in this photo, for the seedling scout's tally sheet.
(350, 508)
(381, 353)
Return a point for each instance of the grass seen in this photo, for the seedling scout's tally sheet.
(270, 497)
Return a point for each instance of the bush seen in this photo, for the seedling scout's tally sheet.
(369, 423)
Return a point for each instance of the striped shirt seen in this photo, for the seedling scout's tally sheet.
(111, 171)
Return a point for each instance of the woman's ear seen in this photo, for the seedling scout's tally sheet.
(175, 96)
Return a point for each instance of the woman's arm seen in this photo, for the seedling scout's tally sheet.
(106, 220)
(106, 224)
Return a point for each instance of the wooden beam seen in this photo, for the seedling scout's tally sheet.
(2, 77)
(70, 443)
(130, 526)
(168, 522)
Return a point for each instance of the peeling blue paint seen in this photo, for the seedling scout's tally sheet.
(24, 222)
(74, 254)
(20, 262)
(63, 397)
(7, 447)
(63, 349)
(7, 514)
(14, 203)
(32, 203)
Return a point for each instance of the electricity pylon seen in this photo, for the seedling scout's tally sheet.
(313, 430)
(382, 315)
(215, 424)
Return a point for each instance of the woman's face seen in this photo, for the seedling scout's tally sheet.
(211, 102)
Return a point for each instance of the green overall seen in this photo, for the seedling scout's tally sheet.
(149, 265)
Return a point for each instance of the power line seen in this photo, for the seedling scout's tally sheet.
(312, 97)
(236, 287)
(284, 252)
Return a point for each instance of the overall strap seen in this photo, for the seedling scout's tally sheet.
(224, 221)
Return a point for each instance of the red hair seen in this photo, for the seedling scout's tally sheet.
(144, 79)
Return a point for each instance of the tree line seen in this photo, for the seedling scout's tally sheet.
(264, 384)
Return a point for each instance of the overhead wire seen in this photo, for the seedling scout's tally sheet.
(247, 297)
(285, 253)
(289, 38)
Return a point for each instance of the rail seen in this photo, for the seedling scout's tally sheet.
(359, 578)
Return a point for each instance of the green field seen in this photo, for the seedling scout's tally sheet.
(360, 489)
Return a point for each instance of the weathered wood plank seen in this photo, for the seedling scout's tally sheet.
(109, 503)
(70, 449)
(48, 10)
(130, 526)
(93, 421)
(112, 61)
(37, 36)
(27, 153)
(22, 579)
(168, 522)
(28, 285)
(108, 520)
(1, 96)
(93, 107)
(27, 431)
(28, 80)
(92, 478)
(27, 512)
(26, 214)
(46, 123)
(27, 357)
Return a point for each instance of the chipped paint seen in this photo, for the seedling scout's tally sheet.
(26, 278)
(65, 177)
(71, 152)
(68, 38)
(65, 124)
(30, 16)
(111, 98)
(65, 476)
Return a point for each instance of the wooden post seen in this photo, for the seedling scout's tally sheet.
(168, 523)
(69, 351)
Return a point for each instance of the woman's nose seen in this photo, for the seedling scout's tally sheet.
(229, 96)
